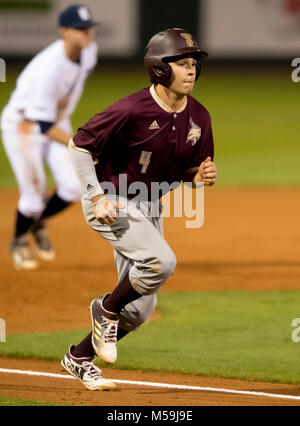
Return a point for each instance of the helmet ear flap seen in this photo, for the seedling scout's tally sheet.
(159, 71)
(162, 72)
(198, 70)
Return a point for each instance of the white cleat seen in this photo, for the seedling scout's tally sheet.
(85, 370)
(42, 242)
(22, 256)
(104, 331)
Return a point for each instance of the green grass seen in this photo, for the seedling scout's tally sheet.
(254, 114)
(13, 402)
(255, 126)
(243, 335)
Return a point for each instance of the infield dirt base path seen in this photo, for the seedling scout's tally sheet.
(73, 392)
(250, 241)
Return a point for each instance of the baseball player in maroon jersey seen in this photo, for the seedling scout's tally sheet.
(160, 134)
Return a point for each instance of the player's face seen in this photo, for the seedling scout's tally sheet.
(183, 76)
(80, 37)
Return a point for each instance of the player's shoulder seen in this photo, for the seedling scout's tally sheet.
(197, 107)
(51, 59)
(137, 98)
(139, 102)
(54, 49)
(43, 68)
(132, 102)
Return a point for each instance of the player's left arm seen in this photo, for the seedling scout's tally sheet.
(201, 167)
(207, 173)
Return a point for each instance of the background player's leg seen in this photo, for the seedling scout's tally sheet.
(68, 190)
(68, 186)
(22, 224)
(25, 156)
(55, 204)
(39, 230)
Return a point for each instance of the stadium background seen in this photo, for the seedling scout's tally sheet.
(235, 292)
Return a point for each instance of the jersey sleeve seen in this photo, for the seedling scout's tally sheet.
(42, 105)
(205, 145)
(102, 128)
(90, 56)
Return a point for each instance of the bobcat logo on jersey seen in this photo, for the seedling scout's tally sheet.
(188, 38)
(194, 133)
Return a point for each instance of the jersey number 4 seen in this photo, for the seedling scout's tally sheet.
(145, 160)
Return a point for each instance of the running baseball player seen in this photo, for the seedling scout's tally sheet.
(36, 128)
(159, 134)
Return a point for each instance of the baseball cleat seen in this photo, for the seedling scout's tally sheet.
(21, 254)
(85, 370)
(42, 241)
(104, 331)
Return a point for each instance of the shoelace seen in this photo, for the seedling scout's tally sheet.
(25, 252)
(110, 333)
(93, 371)
(42, 238)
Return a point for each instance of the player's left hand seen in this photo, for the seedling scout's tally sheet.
(207, 172)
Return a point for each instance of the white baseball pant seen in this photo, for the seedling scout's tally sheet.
(27, 153)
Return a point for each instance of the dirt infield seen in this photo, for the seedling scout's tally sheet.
(250, 241)
(72, 392)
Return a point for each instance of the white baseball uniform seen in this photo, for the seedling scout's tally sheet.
(47, 90)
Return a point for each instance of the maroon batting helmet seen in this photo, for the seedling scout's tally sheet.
(167, 46)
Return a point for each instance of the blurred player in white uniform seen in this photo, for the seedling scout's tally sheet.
(36, 129)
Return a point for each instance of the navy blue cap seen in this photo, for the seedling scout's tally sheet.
(76, 16)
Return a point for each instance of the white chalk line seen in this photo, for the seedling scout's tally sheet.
(158, 385)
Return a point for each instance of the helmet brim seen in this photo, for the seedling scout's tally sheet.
(198, 55)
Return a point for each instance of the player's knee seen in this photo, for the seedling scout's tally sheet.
(167, 265)
(149, 275)
(31, 207)
(160, 270)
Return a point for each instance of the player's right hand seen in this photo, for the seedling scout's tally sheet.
(106, 211)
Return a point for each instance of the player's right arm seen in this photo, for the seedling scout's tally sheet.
(90, 142)
(56, 134)
(105, 211)
(47, 128)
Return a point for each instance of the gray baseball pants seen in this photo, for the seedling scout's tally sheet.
(140, 248)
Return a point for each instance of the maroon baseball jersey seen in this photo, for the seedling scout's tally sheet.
(140, 137)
